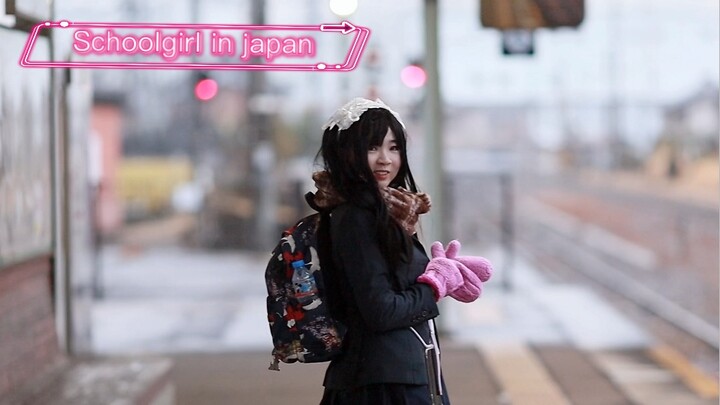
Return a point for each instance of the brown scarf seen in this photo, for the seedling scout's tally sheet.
(404, 206)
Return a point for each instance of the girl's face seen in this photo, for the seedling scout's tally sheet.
(385, 160)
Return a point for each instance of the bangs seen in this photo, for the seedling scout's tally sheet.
(377, 137)
(378, 128)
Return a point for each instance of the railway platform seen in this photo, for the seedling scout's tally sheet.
(515, 373)
(527, 341)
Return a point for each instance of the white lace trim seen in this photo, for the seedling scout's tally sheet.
(353, 109)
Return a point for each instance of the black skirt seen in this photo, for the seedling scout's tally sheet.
(382, 394)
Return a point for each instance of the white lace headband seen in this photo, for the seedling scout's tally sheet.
(351, 112)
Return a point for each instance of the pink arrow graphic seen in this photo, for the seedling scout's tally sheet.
(345, 27)
(349, 63)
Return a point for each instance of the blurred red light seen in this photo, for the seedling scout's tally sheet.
(413, 76)
(206, 89)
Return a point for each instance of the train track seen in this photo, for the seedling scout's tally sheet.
(654, 258)
(700, 351)
(558, 250)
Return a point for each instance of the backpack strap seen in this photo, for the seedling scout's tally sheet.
(333, 280)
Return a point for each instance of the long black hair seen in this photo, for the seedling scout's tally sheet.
(344, 154)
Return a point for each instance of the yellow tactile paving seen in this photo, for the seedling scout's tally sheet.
(521, 375)
(645, 382)
(702, 384)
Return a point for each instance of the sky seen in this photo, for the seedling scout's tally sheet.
(639, 52)
(643, 49)
(644, 54)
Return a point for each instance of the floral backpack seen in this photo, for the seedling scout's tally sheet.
(301, 330)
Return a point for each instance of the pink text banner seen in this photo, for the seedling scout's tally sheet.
(333, 47)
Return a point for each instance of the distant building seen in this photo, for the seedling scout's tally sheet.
(690, 136)
(695, 122)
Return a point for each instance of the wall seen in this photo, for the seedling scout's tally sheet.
(27, 326)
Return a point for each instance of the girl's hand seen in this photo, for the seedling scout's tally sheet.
(474, 269)
(442, 274)
(477, 264)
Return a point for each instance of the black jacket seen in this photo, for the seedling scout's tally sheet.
(377, 305)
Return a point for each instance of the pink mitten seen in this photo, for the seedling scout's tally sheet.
(471, 287)
(477, 264)
(441, 273)
(474, 270)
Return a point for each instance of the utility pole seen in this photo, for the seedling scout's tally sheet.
(433, 126)
(615, 142)
(262, 153)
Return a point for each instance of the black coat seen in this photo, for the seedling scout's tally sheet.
(377, 305)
